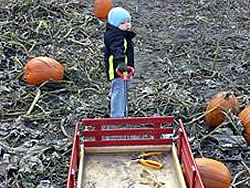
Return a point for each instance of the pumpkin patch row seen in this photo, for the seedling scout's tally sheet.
(215, 174)
(226, 101)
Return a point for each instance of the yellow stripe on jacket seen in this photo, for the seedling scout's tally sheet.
(111, 62)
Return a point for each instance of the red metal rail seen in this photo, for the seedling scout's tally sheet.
(184, 152)
(75, 157)
(191, 173)
(156, 131)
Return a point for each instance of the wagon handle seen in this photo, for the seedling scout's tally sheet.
(125, 76)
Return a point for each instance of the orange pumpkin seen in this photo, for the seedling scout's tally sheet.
(102, 8)
(214, 174)
(222, 101)
(244, 116)
(40, 69)
(247, 134)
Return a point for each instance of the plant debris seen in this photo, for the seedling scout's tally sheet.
(186, 52)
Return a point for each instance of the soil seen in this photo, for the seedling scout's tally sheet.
(186, 52)
(117, 170)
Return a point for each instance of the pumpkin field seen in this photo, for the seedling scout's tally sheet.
(186, 53)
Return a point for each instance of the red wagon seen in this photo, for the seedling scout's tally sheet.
(102, 157)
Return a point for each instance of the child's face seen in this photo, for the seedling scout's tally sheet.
(125, 25)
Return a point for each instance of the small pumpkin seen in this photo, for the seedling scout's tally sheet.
(102, 8)
(244, 116)
(40, 69)
(214, 174)
(221, 101)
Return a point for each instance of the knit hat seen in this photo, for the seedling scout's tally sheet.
(117, 15)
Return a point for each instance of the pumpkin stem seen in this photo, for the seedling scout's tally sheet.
(228, 94)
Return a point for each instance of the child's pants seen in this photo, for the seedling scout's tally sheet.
(118, 99)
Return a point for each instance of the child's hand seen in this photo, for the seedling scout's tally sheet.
(122, 67)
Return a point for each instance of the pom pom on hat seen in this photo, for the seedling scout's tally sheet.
(117, 15)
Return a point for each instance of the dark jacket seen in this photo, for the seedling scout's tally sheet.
(119, 48)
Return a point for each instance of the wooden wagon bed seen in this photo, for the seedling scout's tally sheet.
(113, 167)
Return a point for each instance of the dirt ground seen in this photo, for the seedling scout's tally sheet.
(186, 52)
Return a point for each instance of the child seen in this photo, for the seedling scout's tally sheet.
(119, 52)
